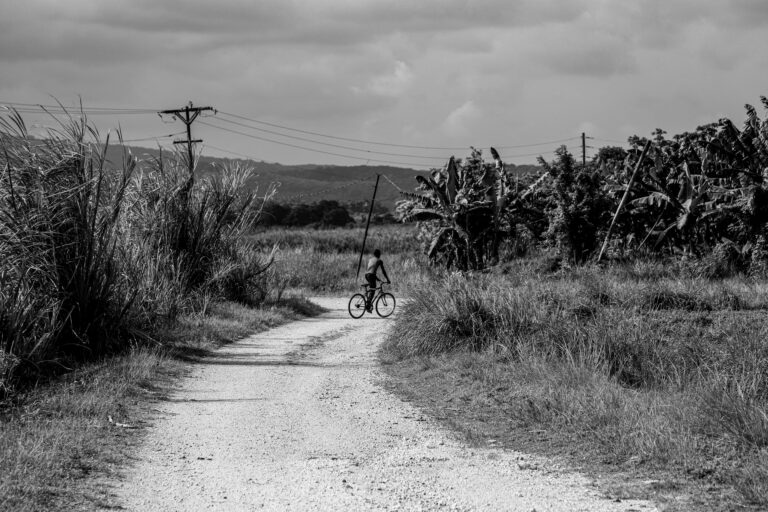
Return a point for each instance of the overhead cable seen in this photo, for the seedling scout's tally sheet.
(37, 108)
(363, 141)
(435, 158)
(406, 164)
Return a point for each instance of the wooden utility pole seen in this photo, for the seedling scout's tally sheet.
(187, 115)
(583, 149)
(367, 224)
(623, 199)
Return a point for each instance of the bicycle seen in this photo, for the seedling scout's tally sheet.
(383, 302)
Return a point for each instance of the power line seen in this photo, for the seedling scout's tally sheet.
(610, 140)
(362, 141)
(436, 158)
(363, 150)
(37, 108)
(310, 149)
(58, 109)
(242, 155)
(153, 138)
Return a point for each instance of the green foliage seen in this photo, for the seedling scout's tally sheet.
(93, 257)
(580, 208)
(64, 290)
(196, 225)
(693, 192)
(460, 206)
(320, 214)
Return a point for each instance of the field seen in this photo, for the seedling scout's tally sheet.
(630, 368)
(325, 262)
(646, 370)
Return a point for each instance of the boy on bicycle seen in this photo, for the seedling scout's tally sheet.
(374, 264)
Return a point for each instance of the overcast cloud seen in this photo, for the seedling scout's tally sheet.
(449, 73)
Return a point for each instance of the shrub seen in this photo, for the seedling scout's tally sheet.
(581, 208)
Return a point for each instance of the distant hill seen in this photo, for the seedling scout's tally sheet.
(310, 183)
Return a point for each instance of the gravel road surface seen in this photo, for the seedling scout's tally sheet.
(295, 419)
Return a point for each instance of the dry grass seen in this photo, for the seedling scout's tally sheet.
(658, 373)
(325, 261)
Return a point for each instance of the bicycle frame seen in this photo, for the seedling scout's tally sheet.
(376, 291)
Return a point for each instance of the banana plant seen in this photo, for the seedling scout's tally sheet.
(460, 206)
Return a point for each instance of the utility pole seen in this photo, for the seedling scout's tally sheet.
(187, 115)
(367, 224)
(623, 199)
(583, 149)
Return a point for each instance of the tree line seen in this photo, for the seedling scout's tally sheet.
(698, 194)
(323, 213)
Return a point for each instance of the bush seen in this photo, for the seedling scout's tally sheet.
(581, 208)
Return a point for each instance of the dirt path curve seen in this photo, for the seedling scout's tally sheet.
(295, 419)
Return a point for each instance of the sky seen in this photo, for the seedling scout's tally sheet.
(523, 76)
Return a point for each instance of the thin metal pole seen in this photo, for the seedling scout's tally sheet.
(623, 199)
(367, 224)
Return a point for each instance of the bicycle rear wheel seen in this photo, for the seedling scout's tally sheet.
(357, 305)
(385, 305)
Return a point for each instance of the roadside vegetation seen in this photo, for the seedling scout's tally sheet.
(654, 361)
(111, 273)
(634, 364)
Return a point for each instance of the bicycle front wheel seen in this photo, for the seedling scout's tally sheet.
(357, 305)
(385, 305)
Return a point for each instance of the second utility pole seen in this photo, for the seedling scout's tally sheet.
(187, 115)
(583, 149)
(367, 224)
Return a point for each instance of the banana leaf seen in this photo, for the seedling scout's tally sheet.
(452, 180)
(431, 185)
(422, 214)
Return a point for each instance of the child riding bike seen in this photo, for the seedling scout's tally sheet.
(371, 276)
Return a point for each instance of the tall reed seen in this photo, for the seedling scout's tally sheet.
(95, 255)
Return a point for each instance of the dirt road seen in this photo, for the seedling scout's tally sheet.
(295, 419)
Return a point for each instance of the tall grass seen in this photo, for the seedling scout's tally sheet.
(198, 227)
(667, 370)
(392, 239)
(64, 291)
(95, 255)
(325, 260)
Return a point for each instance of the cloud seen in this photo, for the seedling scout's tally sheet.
(461, 119)
(597, 54)
(432, 72)
(393, 84)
